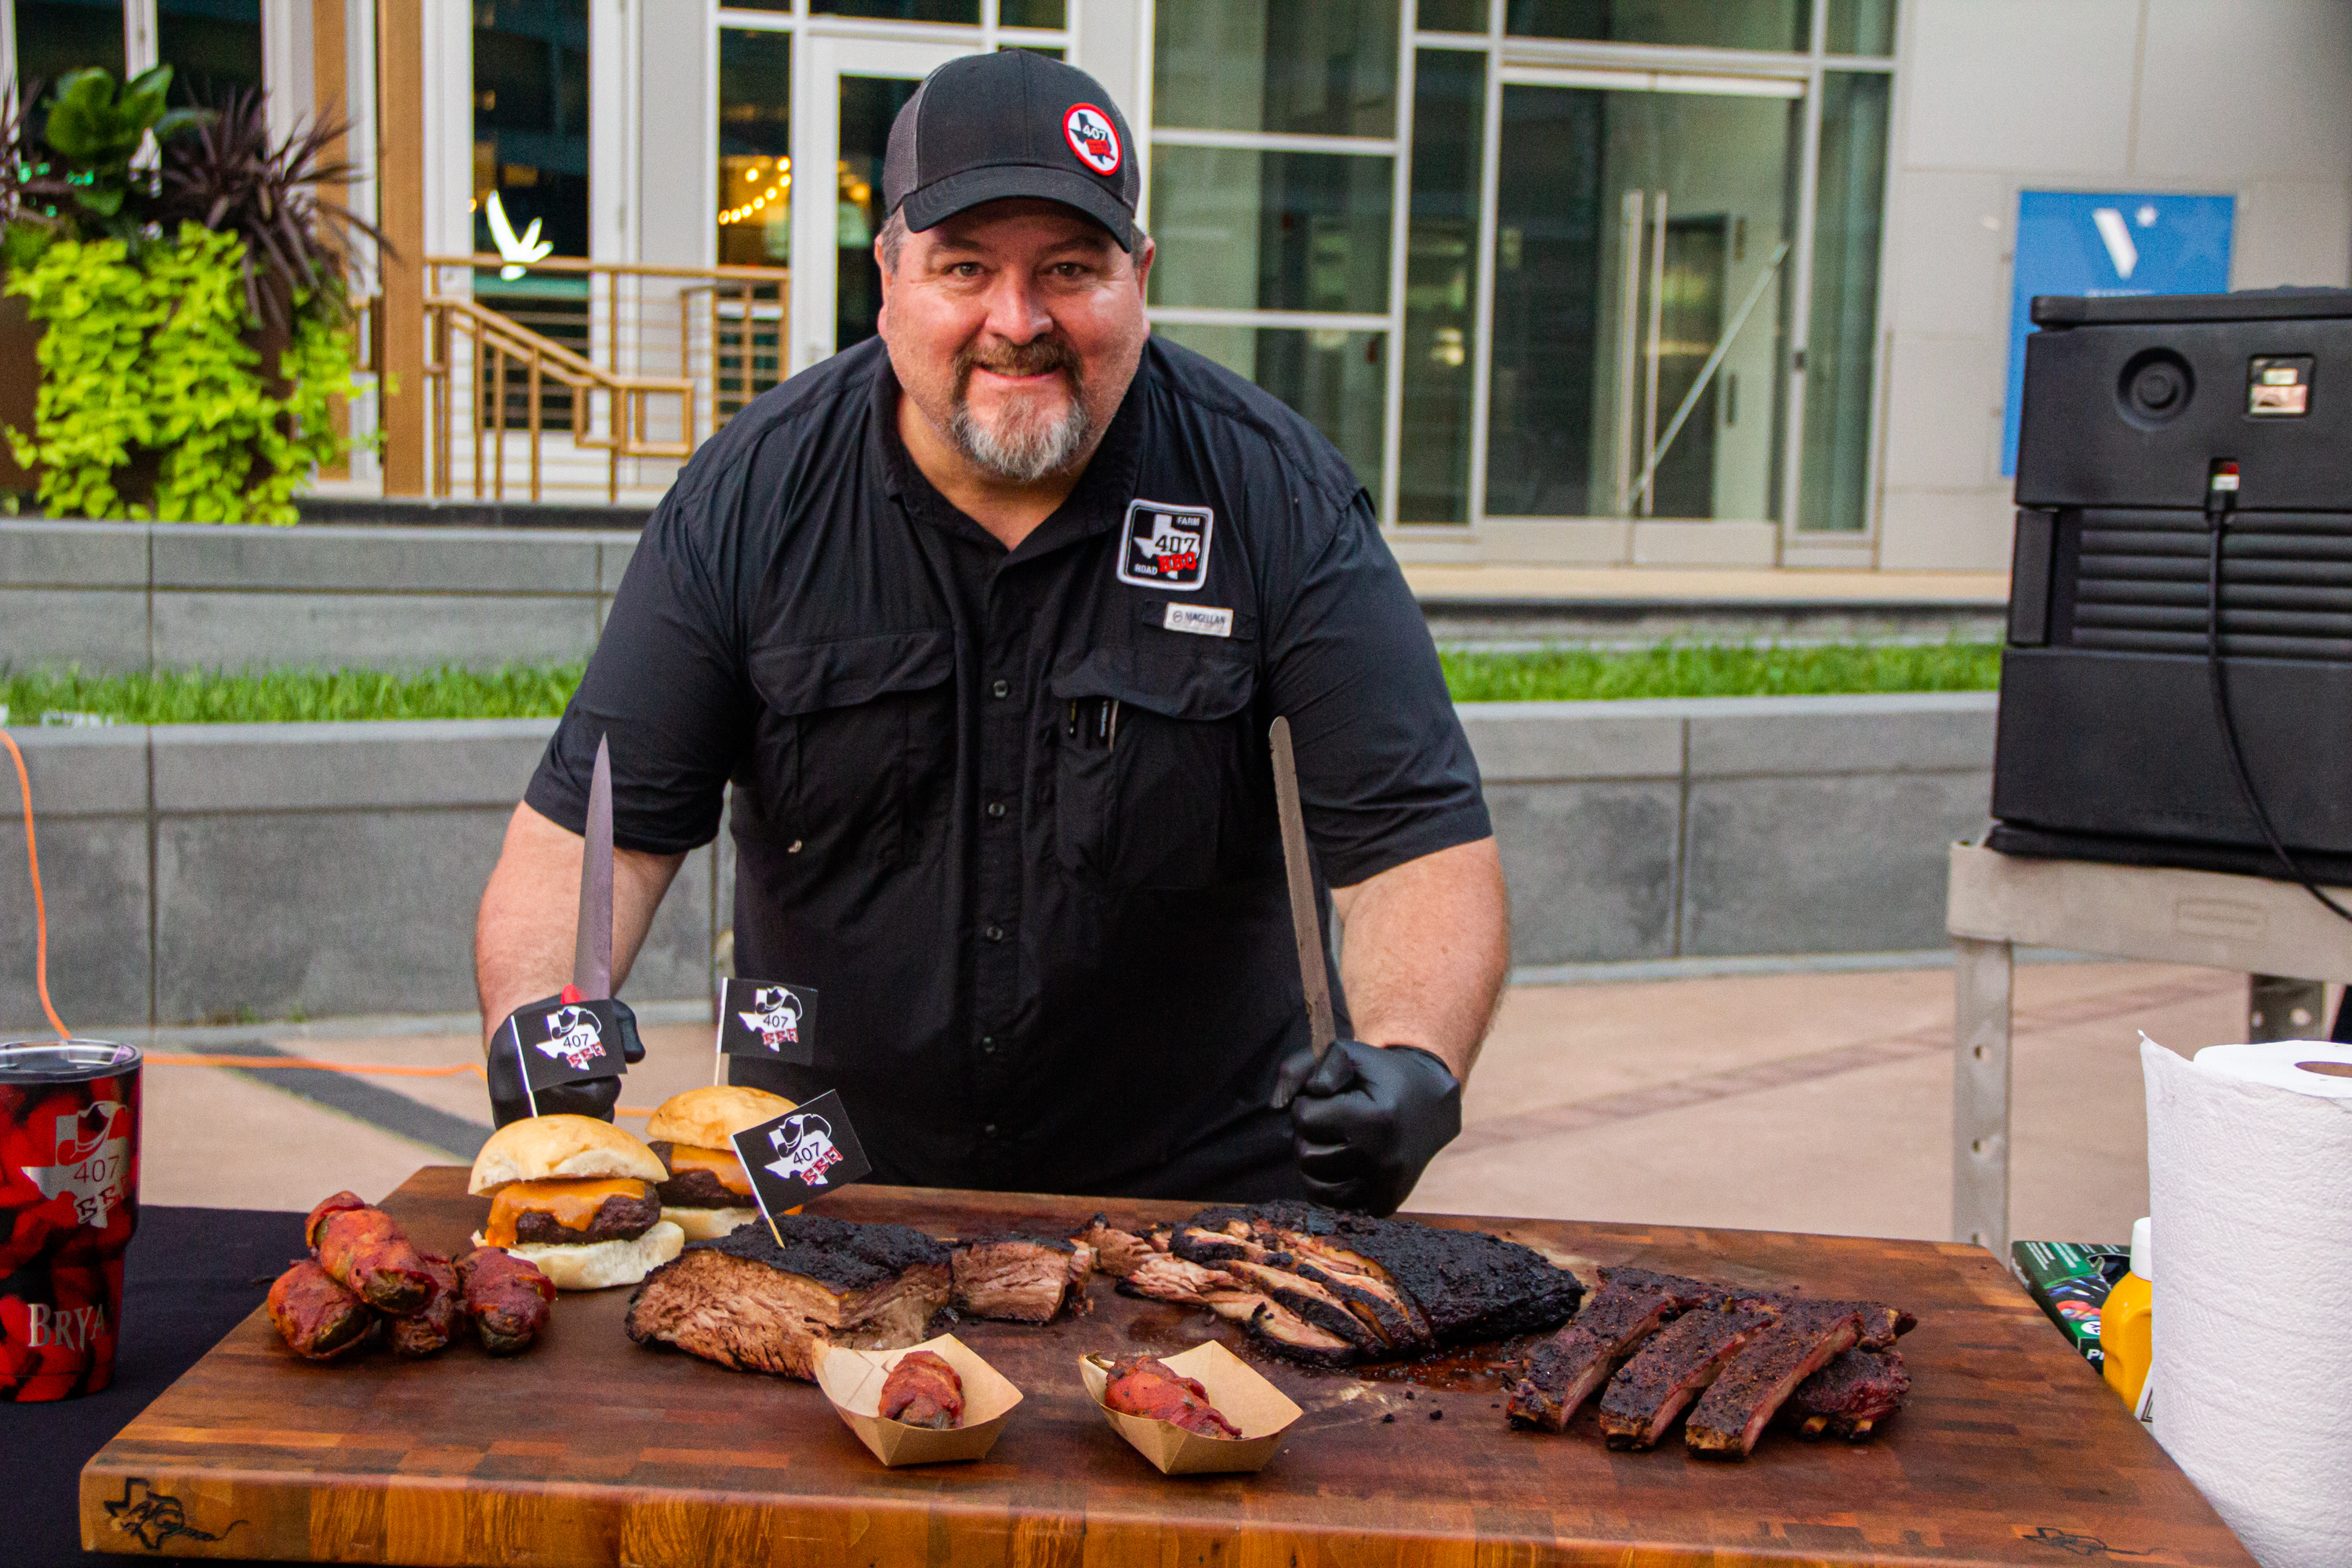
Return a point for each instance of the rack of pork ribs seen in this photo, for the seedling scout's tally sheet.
(1660, 1343)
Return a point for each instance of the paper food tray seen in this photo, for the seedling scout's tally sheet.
(1261, 1410)
(852, 1381)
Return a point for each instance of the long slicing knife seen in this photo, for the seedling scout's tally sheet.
(1306, 927)
(592, 953)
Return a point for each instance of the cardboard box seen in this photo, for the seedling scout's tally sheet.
(2069, 1280)
(852, 1382)
(1241, 1396)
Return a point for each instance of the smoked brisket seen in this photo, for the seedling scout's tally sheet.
(1021, 1279)
(747, 1303)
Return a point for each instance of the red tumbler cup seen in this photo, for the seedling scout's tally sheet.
(68, 1202)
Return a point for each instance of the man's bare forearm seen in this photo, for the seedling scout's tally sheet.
(529, 925)
(1425, 952)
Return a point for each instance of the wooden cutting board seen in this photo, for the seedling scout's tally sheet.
(590, 1450)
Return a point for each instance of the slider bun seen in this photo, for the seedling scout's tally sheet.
(551, 1148)
(709, 1224)
(601, 1264)
(709, 1117)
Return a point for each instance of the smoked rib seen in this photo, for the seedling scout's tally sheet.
(1564, 1370)
(1641, 1401)
(1742, 1399)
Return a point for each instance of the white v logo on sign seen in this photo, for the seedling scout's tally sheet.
(2116, 236)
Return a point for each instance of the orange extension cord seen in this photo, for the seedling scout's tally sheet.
(40, 909)
(175, 1059)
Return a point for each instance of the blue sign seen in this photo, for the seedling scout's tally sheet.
(2073, 242)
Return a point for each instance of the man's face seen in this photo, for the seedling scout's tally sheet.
(1014, 328)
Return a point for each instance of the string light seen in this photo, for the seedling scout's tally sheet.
(758, 203)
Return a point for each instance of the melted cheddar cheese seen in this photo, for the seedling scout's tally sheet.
(573, 1204)
(685, 1157)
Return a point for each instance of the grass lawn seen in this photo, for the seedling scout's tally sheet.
(540, 692)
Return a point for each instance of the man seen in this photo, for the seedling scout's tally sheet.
(985, 621)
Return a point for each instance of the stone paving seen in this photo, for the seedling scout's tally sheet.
(1797, 1102)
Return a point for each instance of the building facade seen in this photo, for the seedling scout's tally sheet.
(1709, 282)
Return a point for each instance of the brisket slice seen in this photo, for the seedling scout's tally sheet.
(1851, 1394)
(1562, 1372)
(1410, 1286)
(1649, 1391)
(1385, 1320)
(747, 1303)
(1117, 1252)
(1748, 1392)
(1021, 1279)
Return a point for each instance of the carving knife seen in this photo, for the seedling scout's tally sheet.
(591, 953)
(1305, 925)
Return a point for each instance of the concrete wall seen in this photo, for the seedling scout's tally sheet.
(118, 597)
(2243, 98)
(205, 871)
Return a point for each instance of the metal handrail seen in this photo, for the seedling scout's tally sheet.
(498, 341)
(722, 331)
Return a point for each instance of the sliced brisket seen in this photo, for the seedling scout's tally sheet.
(745, 1302)
(1649, 1391)
(1117, 1252)
(1021, 1279)
(1851, 1394)
(1562, 1372)
(1744, 1397)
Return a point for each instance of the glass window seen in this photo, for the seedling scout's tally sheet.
(1722, 23)
(54, 36)
(1033, 13)
(755, 139)
(1333, 377)
(1441, 286)
(1324, 70)
(1630, 229)
(900, 11)
(1862, 26)
(213, 46)
(1050, 51)
(530, 121)
(1242, 229)
(868, 105)
(1842, 331)
(1451, 17)
(757, 5)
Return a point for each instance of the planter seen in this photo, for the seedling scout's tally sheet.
(20, 384)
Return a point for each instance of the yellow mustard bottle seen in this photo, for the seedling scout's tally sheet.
(2123, 1338)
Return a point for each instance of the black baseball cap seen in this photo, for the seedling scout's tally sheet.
(1012, 123)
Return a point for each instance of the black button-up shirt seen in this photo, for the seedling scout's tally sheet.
(1012, 812)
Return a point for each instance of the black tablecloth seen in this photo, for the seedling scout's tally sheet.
(192, 1275)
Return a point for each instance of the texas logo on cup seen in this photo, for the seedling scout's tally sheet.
(1165, 546)
(90, 1162)
(768, 1019)
(804, 1153)
(1092, 138)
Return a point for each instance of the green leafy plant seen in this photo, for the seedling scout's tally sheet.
(149, 358)
(78, 172)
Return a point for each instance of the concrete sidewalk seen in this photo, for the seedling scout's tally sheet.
(1790, 1101)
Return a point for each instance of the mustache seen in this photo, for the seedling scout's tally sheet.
(1035, 357)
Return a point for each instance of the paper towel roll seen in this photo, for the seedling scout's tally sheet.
(2250, 1192)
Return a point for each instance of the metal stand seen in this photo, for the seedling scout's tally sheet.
(1995, 902)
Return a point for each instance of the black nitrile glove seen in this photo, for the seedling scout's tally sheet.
(590, 1097)
(1366, 1119)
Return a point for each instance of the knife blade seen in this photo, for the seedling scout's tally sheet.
(1306, 927)
(591, 953)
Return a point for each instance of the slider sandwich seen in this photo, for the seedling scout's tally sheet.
(575, 1196)
(705, 1193)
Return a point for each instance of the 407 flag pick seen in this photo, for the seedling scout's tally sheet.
(768, 1020)
(806, 1152)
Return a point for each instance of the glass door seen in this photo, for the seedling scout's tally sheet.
(1642, 231)
(852, 88)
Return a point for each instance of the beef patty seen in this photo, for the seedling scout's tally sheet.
(618, 1219)
(694, 1189)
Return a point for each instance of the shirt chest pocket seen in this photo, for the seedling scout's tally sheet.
(1150, 787)
(865, 731)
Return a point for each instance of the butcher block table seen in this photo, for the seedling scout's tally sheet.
(590, 1450)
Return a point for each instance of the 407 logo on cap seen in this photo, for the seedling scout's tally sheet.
(1166, 546)
(1092, 138)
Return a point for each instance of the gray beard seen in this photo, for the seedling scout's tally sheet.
(1029, 450)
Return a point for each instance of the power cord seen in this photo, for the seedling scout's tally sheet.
(2220, 502)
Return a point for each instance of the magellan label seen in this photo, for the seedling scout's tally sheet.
(1202, 620)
